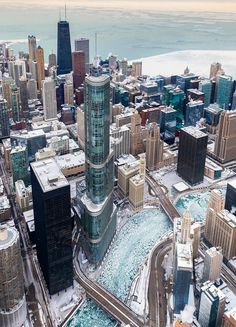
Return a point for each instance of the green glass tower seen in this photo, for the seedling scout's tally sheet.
(224, 91)
(98, 213)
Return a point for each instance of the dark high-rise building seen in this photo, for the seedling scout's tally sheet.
(98, 214)
(64, 60)
(78, 66)
(82, 44)
(24, 112)
(230, 198)
(192, 154)
(4, 119)
(53, 224)
(168, 124)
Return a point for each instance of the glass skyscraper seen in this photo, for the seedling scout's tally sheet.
(98, 214)
(64, 59)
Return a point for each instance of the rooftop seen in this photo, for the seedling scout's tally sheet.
(184, 257)
(71, 160)
(49, 175)
(8, 236)
(194, 131)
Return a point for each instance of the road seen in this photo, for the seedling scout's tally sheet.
(37, 293)
(106, 300)
(156, 288)
(165, 202)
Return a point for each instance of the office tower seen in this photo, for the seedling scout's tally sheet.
(225, 145)
(32, 47)
(32, 140)
(24, 112)
(224, 91)
(15, 102)
(119, 95)
(6, 90)
(192, 155)
(137, 68)
(124, 66)
(195, 235)
(224, 233)
(212, 264)
(13, 309)
(125, 172)
(215, 205)
(98, 214)
(212, 304)
(4, 119)
(53, 224)
(112, 62)
(175, 97)
(40, 66)
(230, 318)
(23, 195)
(68, 93)
(19, 164)
(136, 187)
(184, 81)
(19, 70)
(233, 106)
(168, 124)
(49, 99)
(136, 137)
(206, 87)
(193, 112)
(154, 147)
(120, 140)
(182, 275)
(230, 198)
(195, 95)
(185, 227)
(82, 44)
(78, 67)
(64, 60)
(212, 117)
(6, 152)
(32, 89)
(52, 60)
(215, 68)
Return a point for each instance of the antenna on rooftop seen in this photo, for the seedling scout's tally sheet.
(59, 15)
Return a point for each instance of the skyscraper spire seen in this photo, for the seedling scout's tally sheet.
(65, 12)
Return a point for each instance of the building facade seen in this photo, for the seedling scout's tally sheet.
(64, 59)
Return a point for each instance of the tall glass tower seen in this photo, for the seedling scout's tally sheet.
(98, 213)
(64, 60)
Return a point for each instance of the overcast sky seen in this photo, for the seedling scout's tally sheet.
(173, 5)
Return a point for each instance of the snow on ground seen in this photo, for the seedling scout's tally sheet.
(199, 62)
(63, 303)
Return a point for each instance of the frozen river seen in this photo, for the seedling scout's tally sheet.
(129, 251)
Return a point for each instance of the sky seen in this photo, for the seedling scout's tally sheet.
(161, 5)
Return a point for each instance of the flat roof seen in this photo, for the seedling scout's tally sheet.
(184, 257)
(49, 175)
(71, 159)
(181, 187)
(194, 131)
(8, 237)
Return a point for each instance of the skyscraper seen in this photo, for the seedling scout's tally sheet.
(185, 227)
(212, 304)
(53, 225)
(136, 187)
(49, 99)
(19, 164)
(224, 91)
(24, 112)
(193, 112)
(52, 60)
(192, 155)
(98, 214)
(40, 66)
(4, 119)
(182, 275)
(230, 198)
(15, 102)
(206, 87)
(82, 44)
(13, 309)
(225, 145)
(78, 66)
(154, 147)
(215, 205)
(32, 47)
(212, 264)
(64, 60)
